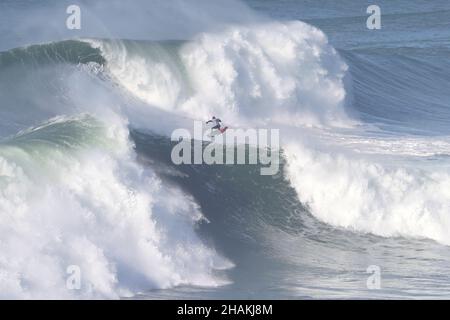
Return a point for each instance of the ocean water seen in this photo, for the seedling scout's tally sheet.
(87, 180)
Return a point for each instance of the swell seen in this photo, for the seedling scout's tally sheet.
(402, 90)
(69, 51)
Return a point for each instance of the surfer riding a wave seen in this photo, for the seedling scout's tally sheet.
(216, 125)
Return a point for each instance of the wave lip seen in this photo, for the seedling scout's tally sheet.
(301, 84)
(68, 51)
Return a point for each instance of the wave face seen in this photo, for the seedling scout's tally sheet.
(86, 177)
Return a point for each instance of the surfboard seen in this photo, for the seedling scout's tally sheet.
(217, 132)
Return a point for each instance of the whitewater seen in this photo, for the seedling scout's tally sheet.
(86, 177)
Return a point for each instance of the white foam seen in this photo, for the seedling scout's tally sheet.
(359, 193)
(273, 73)
(94, 207)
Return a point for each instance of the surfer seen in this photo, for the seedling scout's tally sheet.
(216, 125)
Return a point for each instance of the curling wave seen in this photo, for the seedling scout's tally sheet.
(74, 192)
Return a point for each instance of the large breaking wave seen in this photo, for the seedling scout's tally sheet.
(73, 192)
